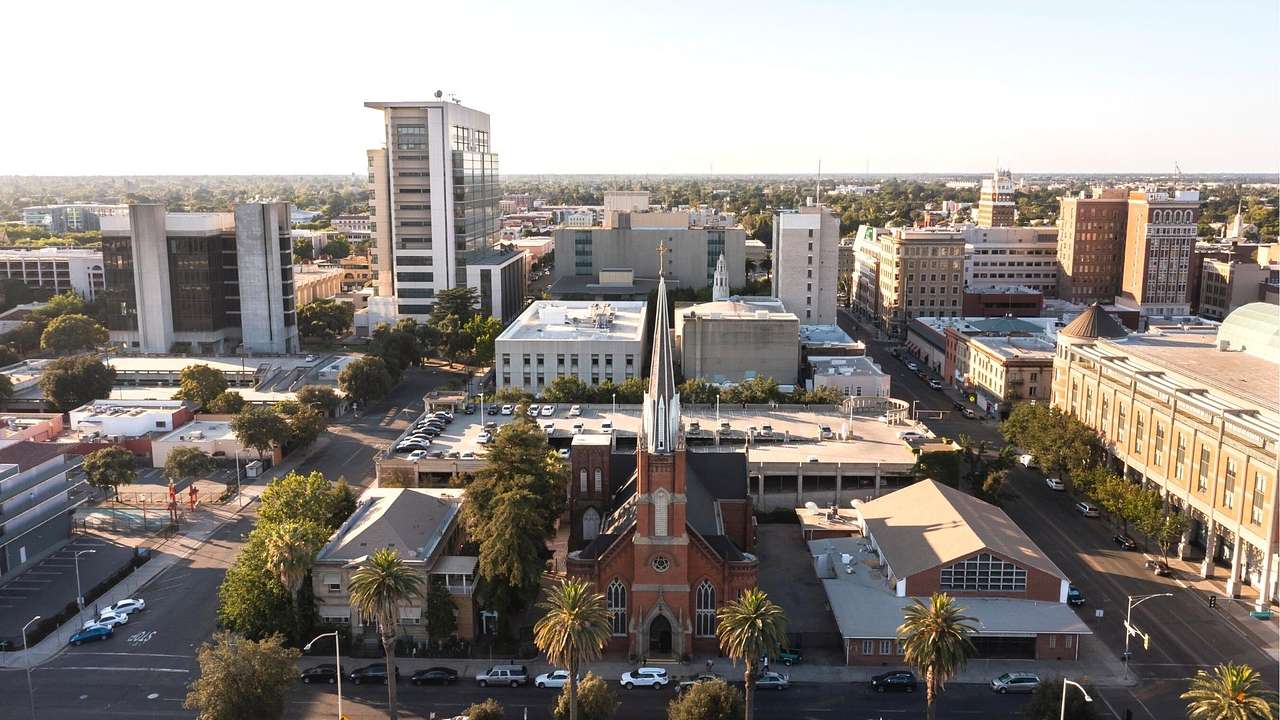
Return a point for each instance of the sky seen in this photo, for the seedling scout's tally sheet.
(271, 87)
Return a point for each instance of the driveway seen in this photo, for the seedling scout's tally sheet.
(787, 576)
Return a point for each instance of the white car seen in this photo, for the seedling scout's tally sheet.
(910, 435)
(484, 438)
(507, 409)
(128, 606)
(548, 428)
(577, 428)
(1087, 509)
(107, 619)
(533, 411)
(416, 455)
(1055, 484)
(564, 453)
(548, 410)
(554, 679)
(575, 411)
(606, 427)
(655, 678)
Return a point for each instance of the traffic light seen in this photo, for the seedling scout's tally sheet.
(1213, 601)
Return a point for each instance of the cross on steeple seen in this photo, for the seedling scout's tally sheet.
(662, 258)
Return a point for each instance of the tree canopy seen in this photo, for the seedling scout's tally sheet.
(242, 678)
(72, 333)
(69, 382)
(200, 384)
(110, 467)
(261, 428)
(707, 700)
(325, 319)
(366, 379)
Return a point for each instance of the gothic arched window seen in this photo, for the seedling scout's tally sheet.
(617, 600)
(661, 501)
(705, 614)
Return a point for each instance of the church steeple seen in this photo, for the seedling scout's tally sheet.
(720, 286)
(661, 401)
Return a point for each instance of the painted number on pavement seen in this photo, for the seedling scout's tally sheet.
(141, 638)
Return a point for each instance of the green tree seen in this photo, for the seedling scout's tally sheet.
(378, 588)
(756, 391)
(574, 630)
(708, 700)
(336, 248)
(567, 389)
(261, 428)
(1059, 442)
(72, 333)
(323, 397)
(325, 319)
(365, 379)
(69, 382)
(487, 710)
(1229, 692)
(110, 467)
(442, 614)
(512, 545)
(200, 384)
(306, 423)
(519, 458)
(631, 391)
(26, 337)
(935, 641)
(698, 392)
(251, 600)
(290, 551)
(993, 485)
(227, 402)
(6, 391)
(342, 503)
(303, 249)
(483, 331)
(459, 302)
(1046, 702)
(305, 498)
(596, 700)
(821, 395)
(185, 461)
(398, 347)
(241, 678)
(940, 465)
(512, 395)
(64, 303)
(750, 627)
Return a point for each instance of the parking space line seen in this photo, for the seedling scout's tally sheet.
(119, 669)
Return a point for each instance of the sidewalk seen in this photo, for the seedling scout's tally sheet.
(1263, 634)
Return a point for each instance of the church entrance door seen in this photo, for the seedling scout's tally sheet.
(660, 636)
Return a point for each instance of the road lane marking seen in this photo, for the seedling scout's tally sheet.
(128, 654)
(86, 668)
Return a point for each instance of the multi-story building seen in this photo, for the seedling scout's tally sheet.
(806, 263)
(78, 217)
(36, 502)
(866, 269)
(56, 269)
(711, 338)
(584, 255)
(1012, 257)
(1159, 236)
(848, 268)
(201, 282)
(591, 341)
(996, 207)
(1091, 238)
(1002, 300)
(856, 376)
(1191, 413)
(355, 227)
(921, 274)
(1228, 284)
(434, 210)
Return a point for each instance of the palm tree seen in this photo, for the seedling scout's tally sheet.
(378, 588)
(1230, 692)
(935, 640)
(290, 552)
(574, 630)
(750, 628)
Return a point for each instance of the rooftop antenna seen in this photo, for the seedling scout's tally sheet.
(1177, 176)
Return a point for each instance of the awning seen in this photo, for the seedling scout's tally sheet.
(336, 612)
(456, 565)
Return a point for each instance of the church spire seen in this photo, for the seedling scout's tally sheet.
(661, 401)
(720, 286)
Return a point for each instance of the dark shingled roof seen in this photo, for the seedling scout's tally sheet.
(27, 454)
(1094, 323)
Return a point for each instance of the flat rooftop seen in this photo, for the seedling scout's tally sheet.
(823, 520)
(566, 320)
(210, 429)
(827, 335)
(844, 365)
(1246, 378)
(1017, 348)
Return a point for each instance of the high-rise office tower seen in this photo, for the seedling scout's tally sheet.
(434, 210)
(995, 203)
(1091, 236)
(204, 283)
(806, 263)
(1160, 236)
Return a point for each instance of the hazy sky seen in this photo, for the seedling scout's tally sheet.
(647, 87)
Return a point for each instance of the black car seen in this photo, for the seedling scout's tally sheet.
(894, 681)
(1125, 541)
(468, 409)
(375, 673)
(435, 676)
(493, 410)
(322, 673)
(957, 404)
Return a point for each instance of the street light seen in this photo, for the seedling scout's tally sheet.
(31, 694)
(1130, 630)
(238, 477)
(337, 663)
(1062, 715)
(80, 595)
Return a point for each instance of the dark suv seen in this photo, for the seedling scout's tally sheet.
(375, 673)
(322, 673)
(894, 681)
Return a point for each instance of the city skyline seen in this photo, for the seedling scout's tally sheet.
(676, 90)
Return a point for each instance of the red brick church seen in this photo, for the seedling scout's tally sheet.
(661, 531)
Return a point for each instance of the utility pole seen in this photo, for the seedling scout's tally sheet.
(1130, 630)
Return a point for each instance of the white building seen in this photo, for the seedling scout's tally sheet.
(806, 263)
(856, 376)
(75, 217)
(212, 437)
(593, 341)
(626, 201)
(56, 269)
(1011, 257)
(129, 418)
(355, 227)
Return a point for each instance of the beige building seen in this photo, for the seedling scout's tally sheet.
(424, 526)
(316, 282)
(1160, 235)
(921, 274)
(728, 341)
(806, 263)
(1228, 284)
(1193, 414)
(1091, 234)
(996, 207)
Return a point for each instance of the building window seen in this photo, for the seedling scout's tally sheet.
(660, 502)
(599, 481)
(617, 599)
(1202, 482)
(1139, 434)
(886, 647)
(1053, 641)
(582, 481)
(1122, 425)
(1157, 452)
(868, 646)
(706, 610)
(1259, 496)
(983, 572)
(332, 583)
(1229, 484)
(1180, 458)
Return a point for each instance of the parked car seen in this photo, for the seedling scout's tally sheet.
(922, 374)
(1124, 541)
(484, 438)
(957, 405)
(935, 384)
(468, 409)
(575, 411)
(655, 678)
(548, 410)
(564, 453)
(532, 411)
(416, 455)
(508, 409)
(513, 675)
(128, 606)
(766, 430)
(912, 366)
(1074, 596)
(1158, 567)
(434, 676)
(494, 410)
(91, 633)
(685, 685)
(1055, 484)
(577, 428)
(789, 656)
(375, 673)
(824, 432)
(894, 681)
(910, 435)
(322, 673)
(549, 428)
(773, 681)
(1087, 509)
(553, 679)
(968, 413)
(108, 618)
(606, 427)
(1028, 461)
(1018, 682)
